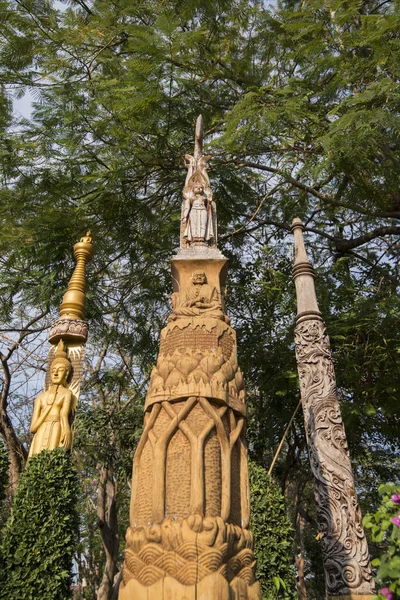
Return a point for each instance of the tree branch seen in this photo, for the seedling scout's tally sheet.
(314, 191)
(343, 246)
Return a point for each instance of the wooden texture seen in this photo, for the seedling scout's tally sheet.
(188, 536)
(343, 543)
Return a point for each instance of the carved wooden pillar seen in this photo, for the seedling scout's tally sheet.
(188, 536)
(343, 543)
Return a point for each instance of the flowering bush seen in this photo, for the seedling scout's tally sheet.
(385, 527)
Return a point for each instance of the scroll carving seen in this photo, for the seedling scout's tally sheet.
(344, 546)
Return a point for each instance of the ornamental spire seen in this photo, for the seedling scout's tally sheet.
(73, 304)
(189, 531)
(199, 135)
(54, 409)
(199, 218)
(303, 275)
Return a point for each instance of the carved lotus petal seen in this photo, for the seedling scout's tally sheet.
(198, 375)
(195, 523)
(186, 364)
(174, 378)
(219, 380)
(211, 364)
(239, 379)
(208, 536)
(157, 382)
(233, 389)
(165, 367)
(228, 371)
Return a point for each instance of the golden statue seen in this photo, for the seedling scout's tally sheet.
(50, 420)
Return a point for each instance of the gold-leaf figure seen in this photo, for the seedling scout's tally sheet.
(50, 420)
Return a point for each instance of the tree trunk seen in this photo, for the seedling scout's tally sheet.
(16, 452)
(301, 585)
(108, 525)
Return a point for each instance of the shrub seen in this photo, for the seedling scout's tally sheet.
(385, 528)
(273, 537)
(40, 536)
(3, 472)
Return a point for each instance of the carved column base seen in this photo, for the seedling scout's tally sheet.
(187, 557)
(212, 587)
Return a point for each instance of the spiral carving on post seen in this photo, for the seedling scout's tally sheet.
(189, 519)
(343, 543)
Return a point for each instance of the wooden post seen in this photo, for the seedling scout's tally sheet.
(344, 546)
(188, 535)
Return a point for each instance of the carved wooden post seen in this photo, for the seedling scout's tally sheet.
(344, 546)
(55, 407)
(188, 536)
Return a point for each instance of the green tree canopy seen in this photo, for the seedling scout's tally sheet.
(301, 106)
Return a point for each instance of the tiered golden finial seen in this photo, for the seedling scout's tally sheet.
(73, 304)
(70, 325)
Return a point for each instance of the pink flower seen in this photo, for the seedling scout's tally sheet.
(396, 520)
(396, 498)
(387, 593)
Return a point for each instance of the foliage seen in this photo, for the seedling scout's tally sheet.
(3, 471)
(40, 536)
(3, 478)
(273, 536)
(385, 529)
(301, 109)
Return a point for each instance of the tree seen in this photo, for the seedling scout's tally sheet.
(301, 107)
(3, 479)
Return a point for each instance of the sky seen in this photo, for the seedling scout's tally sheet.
(23, 106)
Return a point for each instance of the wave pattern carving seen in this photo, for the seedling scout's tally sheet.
(344, 546)
(164, 551)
